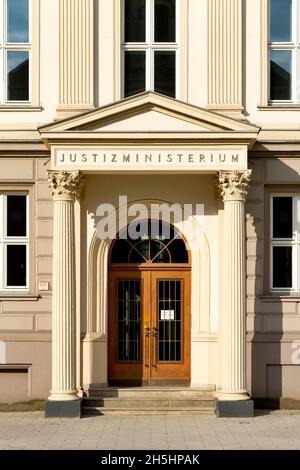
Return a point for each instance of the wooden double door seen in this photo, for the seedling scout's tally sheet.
(149, 326)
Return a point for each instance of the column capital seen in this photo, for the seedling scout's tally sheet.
(233, 185)
(65, 185)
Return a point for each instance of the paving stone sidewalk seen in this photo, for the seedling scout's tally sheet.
(279, 430)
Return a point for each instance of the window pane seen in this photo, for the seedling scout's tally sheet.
(282, 266)
(16, 216)
(16, 265)
(281, 20)
(283, 217)
(135, 21)
(18, 76)
(135, 72)
(164, 73)
(165, 21)
(129, 320)
(281, 67)
(169, 320)
(18, 20)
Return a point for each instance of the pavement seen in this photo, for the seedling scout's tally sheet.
(274, 431)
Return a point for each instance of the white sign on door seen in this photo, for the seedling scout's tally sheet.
(167, 314)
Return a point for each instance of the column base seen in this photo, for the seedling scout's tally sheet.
(234, 409)
(63, 409)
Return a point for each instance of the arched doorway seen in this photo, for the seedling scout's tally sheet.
(149, 311)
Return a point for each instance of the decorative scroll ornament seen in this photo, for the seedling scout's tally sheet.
(233, 185)
(65, 185)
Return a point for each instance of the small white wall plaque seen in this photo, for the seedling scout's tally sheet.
(167, 314)
(43, 286)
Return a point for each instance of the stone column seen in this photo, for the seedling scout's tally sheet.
(63, 400)
(234, 399)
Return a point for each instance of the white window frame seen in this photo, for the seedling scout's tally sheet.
(149, 46)
(5, 241)
(33, 47)
(292, 46)
(293, 242)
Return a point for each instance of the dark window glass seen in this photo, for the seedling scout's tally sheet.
(159, 252)
(161, 243)
(165, 21)
(135, 72)
(178, 251)
(281, 20)
(282, 266)
(18, 76)
(129, 320)
(165, 73)
(18, 21)
(135, 21)
(120, 251)
(16, 265)
(281, 69)
(16, 216)
(136, 257)
(169, 321)
(283, 217)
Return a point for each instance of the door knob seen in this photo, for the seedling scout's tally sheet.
(147, 333)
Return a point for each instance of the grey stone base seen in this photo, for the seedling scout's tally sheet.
(235, 409)
(63, 409)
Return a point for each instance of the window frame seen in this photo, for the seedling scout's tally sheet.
(293, 242)
(13, 240)
(33, 46)
(292, 46)
(149, 46)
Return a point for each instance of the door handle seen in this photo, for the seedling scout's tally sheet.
(154, 334)
(147, 332)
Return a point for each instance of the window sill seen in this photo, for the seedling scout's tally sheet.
(19, 296)
(15, 108)
(280, 107)
(281, 298)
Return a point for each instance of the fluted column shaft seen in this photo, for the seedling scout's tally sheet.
(66, 188)
(225, 55)
(233, 187)
(76, 52)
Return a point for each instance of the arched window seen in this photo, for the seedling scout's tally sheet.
(149, 241)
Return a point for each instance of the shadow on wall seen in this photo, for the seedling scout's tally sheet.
(273, 374)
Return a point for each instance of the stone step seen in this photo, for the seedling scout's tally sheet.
(143, 403)
(150, 392)
(99, 411)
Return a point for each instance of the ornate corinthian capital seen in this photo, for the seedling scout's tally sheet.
(65, 185)
(233, 185)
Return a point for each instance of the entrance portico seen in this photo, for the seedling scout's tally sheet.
(140, 137)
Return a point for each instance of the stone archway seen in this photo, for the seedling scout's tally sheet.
(94, 367)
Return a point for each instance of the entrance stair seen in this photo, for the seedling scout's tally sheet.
(149, 401)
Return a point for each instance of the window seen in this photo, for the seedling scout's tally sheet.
(14, 242)
(15, 51)
(284, 50)
(285, 243)
(156, 242)
(150, 47)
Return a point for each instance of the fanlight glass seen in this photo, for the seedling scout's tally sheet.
(148, 242)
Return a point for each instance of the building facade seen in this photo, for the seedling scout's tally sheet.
(114, 109)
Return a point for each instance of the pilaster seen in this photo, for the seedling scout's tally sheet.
(76, 52)
(224, 56)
